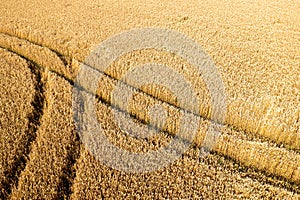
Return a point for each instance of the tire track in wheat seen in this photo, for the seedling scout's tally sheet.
(66, 178)
(228, 140)
(19, 164)
(68, 67)
(50, 168)
(108, 104)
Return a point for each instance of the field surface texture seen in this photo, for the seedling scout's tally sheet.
(244, 147)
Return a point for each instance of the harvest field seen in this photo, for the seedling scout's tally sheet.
(254, 47)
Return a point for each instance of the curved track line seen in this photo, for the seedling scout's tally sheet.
(35, 122)
(290, 140)
(245, 152)
(68, 68)
(226, 155)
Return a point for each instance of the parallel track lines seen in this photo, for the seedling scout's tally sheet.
(105, 102)
(68, 74)
(50, 169)
(57, 61)
(19, 163)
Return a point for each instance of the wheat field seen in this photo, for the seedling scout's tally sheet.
(255, 48)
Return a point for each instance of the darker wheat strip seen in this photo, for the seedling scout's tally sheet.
(67, 178)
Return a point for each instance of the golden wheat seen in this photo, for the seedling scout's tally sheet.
(53, 148)
(17, 94)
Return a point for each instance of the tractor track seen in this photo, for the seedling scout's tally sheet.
(37, 69)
